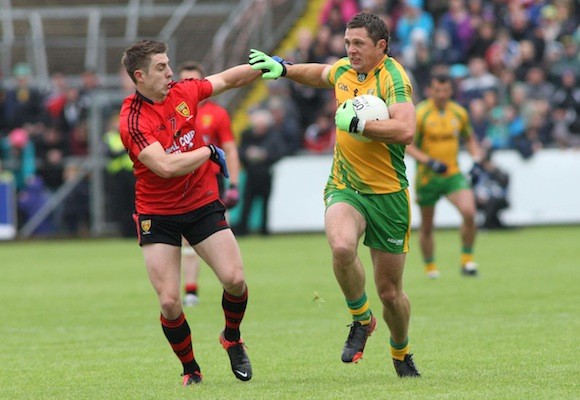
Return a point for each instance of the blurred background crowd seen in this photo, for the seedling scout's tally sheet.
(515, 66)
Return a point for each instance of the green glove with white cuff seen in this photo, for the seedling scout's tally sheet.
(346, 120)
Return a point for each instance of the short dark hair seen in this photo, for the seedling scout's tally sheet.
(138, 56)
(441, 78)
(375, 26)
(190, 66)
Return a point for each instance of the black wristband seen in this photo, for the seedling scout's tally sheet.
(233, 186)
(211, 147)
(352, 128)
(283, 63)
(212, 155)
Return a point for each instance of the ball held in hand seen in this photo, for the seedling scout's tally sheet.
(369, 108)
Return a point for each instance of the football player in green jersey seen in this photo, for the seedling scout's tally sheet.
(367, 191)
(441, 126)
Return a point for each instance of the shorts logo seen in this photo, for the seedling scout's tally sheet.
(146, 226)
(396, 242)
(183, 109)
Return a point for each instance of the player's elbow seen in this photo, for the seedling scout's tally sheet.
(407, 136)
(164, 171)
(163, 174)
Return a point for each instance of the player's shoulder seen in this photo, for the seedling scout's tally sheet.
(181, 85)
(342, 62)
(392, 65)
(132, 104)
(424, 107)
(129, 99)
(186, 84)
(458, 109)
(137, 112)
(390, 60)
(339, 67)
(201, 88)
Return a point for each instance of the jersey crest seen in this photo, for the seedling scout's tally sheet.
(183, 109)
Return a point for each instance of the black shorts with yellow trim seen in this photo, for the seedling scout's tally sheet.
(195, 225)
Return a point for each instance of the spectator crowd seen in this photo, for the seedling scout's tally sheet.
(43, 138)
(515, 66)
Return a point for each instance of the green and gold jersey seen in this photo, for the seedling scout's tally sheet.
(439, 133)
(369, 167)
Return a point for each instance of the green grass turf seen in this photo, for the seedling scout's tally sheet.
(80, 321)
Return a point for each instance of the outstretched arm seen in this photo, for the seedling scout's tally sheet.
(310, 74)
(235, 77)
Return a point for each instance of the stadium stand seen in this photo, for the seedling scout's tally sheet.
(50, 47)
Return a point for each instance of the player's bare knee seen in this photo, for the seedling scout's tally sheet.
(343, 253)
(234, 283)
(389, 296)
(170, 306)
(469, 218)
(468, 212)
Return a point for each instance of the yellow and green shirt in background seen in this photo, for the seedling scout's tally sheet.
(439, 133)
(369, 167)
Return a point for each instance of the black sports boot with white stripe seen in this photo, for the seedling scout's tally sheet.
(239, 360)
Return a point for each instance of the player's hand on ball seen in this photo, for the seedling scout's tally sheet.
(346, 119)
(218, 156)
(272, 67)
(231, 196)
(437, 166)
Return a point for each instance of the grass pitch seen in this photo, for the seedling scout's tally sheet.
(80, 321)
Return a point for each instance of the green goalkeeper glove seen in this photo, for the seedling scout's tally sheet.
(272, 67)
(346, 119)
